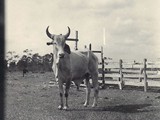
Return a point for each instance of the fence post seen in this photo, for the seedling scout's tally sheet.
(145, 75)
(76, 44)
(141, 71)
(121, 83)
(90, 46)
(103, 81)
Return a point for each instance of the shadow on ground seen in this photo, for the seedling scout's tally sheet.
(132, 108)
(130, 87)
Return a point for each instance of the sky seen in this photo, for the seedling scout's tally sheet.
(132, 27)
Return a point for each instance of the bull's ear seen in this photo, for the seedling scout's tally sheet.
(67, 49)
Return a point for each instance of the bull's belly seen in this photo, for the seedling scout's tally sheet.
(78, 78)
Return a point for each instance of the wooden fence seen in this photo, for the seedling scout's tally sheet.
(122, 70)
(74, 40)
(130, 70)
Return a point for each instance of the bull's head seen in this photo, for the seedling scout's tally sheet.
(58, 41)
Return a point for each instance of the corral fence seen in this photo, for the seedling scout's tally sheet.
(143, 71)
(122, 70)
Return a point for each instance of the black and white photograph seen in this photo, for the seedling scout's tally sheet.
(82, 60)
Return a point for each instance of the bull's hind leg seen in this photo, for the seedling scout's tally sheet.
(88, 90)
(96, 89)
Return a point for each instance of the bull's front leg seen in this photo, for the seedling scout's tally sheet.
(68, 83)
(60, 107)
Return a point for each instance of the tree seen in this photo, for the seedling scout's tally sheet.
(25, 61)
(31, 62)
(22, 63)
(27, 52)
(48, 62)
(11, 60)
(36, 62)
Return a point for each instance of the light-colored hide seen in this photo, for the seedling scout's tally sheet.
(76, 67)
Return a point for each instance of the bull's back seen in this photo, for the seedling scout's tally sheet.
(83, 62)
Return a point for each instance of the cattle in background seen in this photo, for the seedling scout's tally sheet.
(73, 66)
(24, 64)
(25, 70)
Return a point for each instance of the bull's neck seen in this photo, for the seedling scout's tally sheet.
(55, 54)
(62, 65)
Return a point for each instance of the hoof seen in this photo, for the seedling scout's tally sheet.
(85, 104)
(65, 107)
(94, 105)
(60, 107)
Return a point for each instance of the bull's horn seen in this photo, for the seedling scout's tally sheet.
(67, 35)
(48, 34)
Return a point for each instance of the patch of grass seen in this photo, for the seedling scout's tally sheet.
(31, 98)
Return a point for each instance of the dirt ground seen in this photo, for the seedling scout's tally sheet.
(32, 98)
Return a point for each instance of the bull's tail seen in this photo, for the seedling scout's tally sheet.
(93, 68)
(93, 63)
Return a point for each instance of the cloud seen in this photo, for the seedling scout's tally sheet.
(130, 25)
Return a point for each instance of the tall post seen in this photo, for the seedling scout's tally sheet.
(121, 82)
(145, 75)
(90, 46)
(141, 71)
(103, 81)
(76, 44)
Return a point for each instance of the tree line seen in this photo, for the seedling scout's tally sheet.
(33, 62)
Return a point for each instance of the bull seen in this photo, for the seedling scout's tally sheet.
(73, 66)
